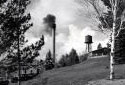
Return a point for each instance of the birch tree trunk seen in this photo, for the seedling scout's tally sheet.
(113, 41)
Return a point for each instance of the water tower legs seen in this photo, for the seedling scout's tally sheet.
(88, 48)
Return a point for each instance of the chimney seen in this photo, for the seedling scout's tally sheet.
(53, 41)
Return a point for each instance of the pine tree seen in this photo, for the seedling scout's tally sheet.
(49, 63)
(69, 59)
(99, 46)
(14, 23)
(62, 61)
(74, 57)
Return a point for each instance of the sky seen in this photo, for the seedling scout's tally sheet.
(73, 24)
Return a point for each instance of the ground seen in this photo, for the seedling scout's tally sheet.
(90, 72)
(107, 82)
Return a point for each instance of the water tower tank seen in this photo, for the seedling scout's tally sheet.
(88, 39)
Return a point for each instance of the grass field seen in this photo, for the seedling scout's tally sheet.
(79, 74)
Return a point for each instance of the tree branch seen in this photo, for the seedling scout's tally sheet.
(118, 33)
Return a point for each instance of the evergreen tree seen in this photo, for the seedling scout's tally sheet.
(69, 59)
(73, 57)
(14, 23)
(99, 46)
(49, 64)
(62, 61)
(83, 57)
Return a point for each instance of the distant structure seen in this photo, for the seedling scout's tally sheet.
(101, 52)
(88, 42)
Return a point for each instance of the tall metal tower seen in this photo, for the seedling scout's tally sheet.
(88, 42)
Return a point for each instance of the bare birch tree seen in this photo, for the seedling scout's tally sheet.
(113, 19)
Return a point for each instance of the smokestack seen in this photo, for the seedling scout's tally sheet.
(49, 20)
(54, 40)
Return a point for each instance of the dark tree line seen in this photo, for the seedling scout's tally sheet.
(66, 60)
(69, 59)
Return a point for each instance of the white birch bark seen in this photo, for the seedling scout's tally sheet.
(113, 41)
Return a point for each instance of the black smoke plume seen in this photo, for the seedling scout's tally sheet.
(49, 22)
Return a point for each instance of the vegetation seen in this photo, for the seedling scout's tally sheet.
(14, 23)
(49, 63)
(64, 61)
(84, 57)
(78, 74)
(115, 21)
(69, 59)
(99, 46)
(112, 19)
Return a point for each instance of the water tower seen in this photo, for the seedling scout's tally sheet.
(88, 42)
